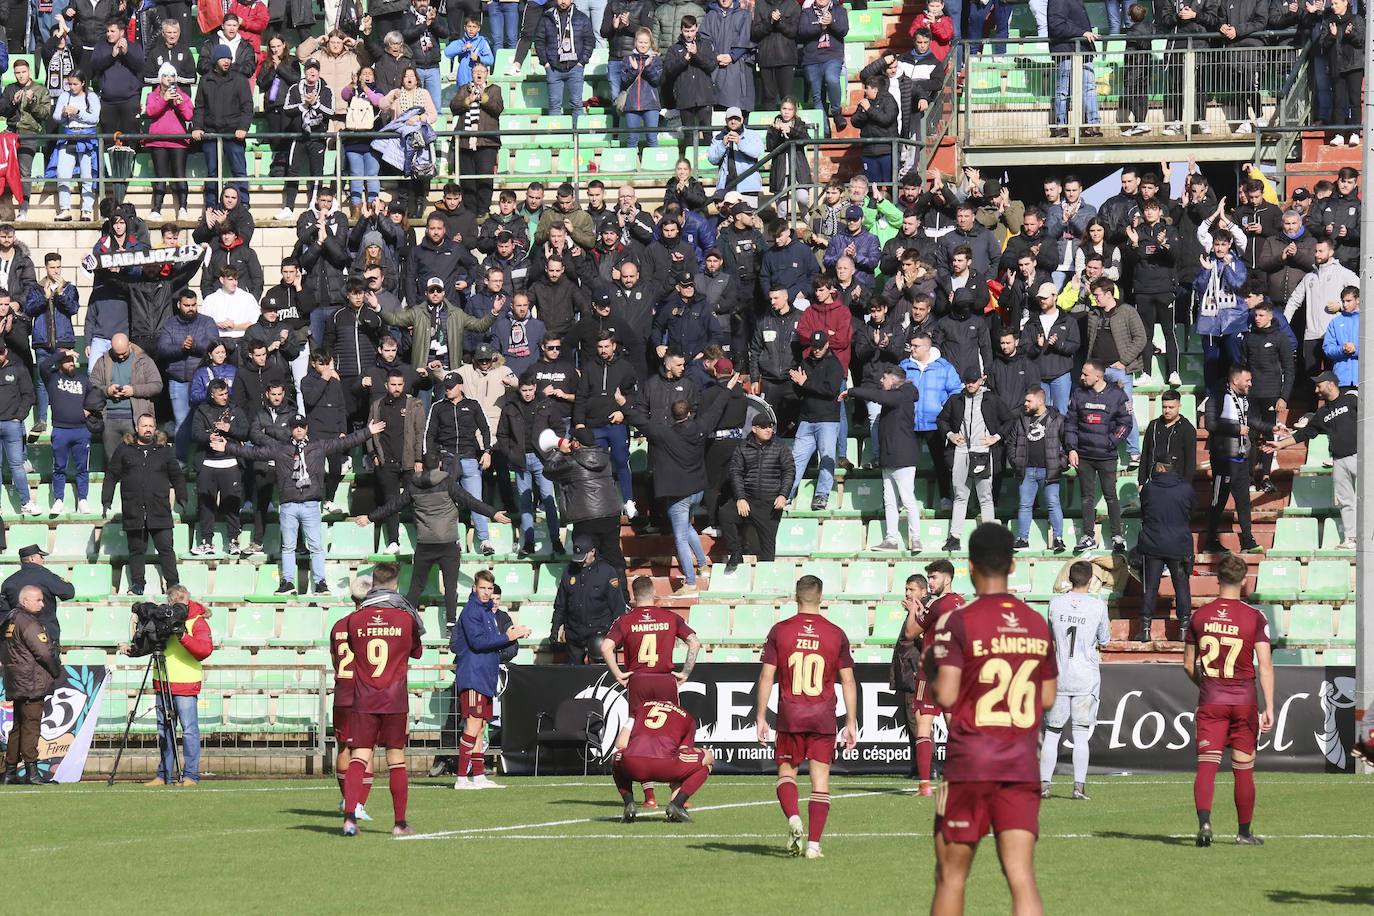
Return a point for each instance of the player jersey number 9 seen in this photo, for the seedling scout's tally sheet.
(1211, 647)
(377, 653)
(648, 651)
(1014, 692)
(808, 671)
(345, 653)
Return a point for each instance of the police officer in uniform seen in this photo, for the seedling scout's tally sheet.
(591, 595)
(32, 664)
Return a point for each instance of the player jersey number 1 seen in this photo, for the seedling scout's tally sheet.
(808, 671)
(648, 651)
(377, 652)
(1014, 692)
(1211, 647)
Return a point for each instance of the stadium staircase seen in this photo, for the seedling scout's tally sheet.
(1304, 582)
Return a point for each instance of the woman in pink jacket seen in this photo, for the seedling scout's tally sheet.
(169, 109)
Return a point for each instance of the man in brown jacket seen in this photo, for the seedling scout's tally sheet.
(1117, 340)
(31, 665)
(124, 382)
(398, 450)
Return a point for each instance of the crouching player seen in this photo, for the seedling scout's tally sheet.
(383, 636)
(661, 749)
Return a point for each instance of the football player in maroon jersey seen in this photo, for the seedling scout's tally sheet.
(995, 676)
(383, 635)
(939, 600)
(1226, 643)
(647, 634)
(342, 658)
(661, 746)
(813, 652)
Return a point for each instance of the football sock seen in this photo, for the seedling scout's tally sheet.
(465, 746)
(788, 796)
(353, 786)
(340, 777)
(400, 790)
(1204, 816)
(648, 793)
(479, 762)
(367, 787)
(925, 749)
(1080, 753)
(1049, 753)
(622, 782)
(817, 809)
(1205, 782)
(690, 785)
(1244, 774)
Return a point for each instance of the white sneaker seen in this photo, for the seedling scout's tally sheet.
(1203, 127)
(1135, 130)
(1354, 140)
(462, 783)
(1338, 140)
(710, 531)
(30, 508)
(393, 548)
(631, 510)
(914, 545)
(286, 213)
(1173, 130)
(1175, 380)
(482, 782)
(888, 544)
(813, 851)
(23, 213)
(1243, 129)
(794, 835)
(513, 69)
(347, 468)
(360, 814)
(1347, 544)
(183, 213)
(56, 508)
(154, 216)
(83, 506)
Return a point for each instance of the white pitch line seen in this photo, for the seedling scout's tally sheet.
(865, 835)
(448, 834)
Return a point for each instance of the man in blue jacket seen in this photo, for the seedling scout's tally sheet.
(1342, 341)
(936, 381)
(1099, 418)
(52, 304)
(857, 243)
(788, 263)
(477, 644)
(564, 42)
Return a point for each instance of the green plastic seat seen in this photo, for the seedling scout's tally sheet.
(267, 580)
(1339, 658)
(1333, 535)
(1318, 451)
(348, 541)
(617, 161)
(254, 626)
(888, 620)
(1345, 624)
(1294, 537)
(1308, 623)
(729, 584)
(1327, 580)
(1043, 578)
(733, 656)
(842, 537)
(109, 626)
(852, 618)
(248, 711)
(1278, 580)
(866, 579)
(92, 582)
(516, 580)
(72, 620)
(798, 537)
(538, 617)
(776, 578)
(196, 578)
(1295, 656)
(752, 622)
(27, 533)
(434, 707)
(93, 657)
(234, 581)
(531, 161)
(302, 626)
(550, 574)
(1311, 494)
(298, 711)
(74, 541)
(710, 621)
(864, 495)
(658, 159)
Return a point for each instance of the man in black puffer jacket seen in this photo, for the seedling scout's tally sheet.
(1166, 541)
(588, 497)
(761, 476)
(146, 469)
(1098, 420)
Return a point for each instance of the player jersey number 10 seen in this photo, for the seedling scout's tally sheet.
(1211, 647)
(808, 671)
(1014, 692)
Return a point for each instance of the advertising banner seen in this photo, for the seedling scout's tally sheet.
(1145, 719)
(69, 720)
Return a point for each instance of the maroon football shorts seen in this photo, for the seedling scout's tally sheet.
(922, 701)
(662, 769)
(474, 705)
(370, 729)
(798, 747)
(651, 685)
(341, 720)
(1219, 726)
(965, 810)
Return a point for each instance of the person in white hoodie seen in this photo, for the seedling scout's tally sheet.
(1319, 295)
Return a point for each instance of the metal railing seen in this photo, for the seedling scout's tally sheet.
(1032, 96)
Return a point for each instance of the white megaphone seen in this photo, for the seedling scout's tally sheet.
(548, 441)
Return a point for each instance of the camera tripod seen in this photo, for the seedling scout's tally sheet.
(162, 693)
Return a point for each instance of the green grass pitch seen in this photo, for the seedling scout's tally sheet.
(556, 845)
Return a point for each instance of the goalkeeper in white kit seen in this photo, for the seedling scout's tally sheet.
(1080, 625)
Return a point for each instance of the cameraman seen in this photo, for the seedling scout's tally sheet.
(184, 653)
